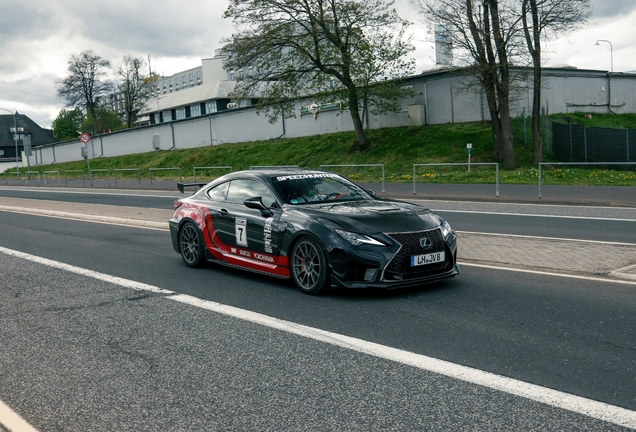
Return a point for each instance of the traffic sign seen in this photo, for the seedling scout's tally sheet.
(85, 138)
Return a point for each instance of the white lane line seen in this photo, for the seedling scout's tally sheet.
(598, 410)
(562, 239)
(493, 203)
(11, 421)
(543, 273)
(106, 220)
(93, 192)
(535, 215)
(85, 272)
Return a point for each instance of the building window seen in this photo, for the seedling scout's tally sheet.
(231, 76)
(183, 80)
(167, 116)
(210, 107)
(198, 76)
(195, 110)
(181, 113)
(190, 76)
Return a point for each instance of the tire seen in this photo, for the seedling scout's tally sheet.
(191, 245)
(309, 266)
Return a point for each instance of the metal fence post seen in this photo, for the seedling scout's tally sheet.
(540, 166)
(585, 142)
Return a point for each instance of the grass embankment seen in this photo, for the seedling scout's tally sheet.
(397, 148)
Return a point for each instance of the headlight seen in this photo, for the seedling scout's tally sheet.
(446, 229)
(357, 239)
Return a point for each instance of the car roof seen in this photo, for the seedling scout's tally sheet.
(272, 172)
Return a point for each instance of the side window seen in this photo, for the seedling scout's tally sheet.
(242, 189)
(218, 192)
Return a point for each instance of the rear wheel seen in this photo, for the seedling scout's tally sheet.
(191, 245)
(309, 266)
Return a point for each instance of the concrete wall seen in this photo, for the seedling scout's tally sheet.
(444, 97)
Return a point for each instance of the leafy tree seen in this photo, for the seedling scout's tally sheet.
(543, 19)
(134, 83)
(85, 83)
(486, 35)
(68, 124)
(107, 121)
(328, 50)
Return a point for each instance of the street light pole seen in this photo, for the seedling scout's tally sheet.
(611, 52)
(15, 135)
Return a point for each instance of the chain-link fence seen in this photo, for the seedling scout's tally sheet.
(576, 143)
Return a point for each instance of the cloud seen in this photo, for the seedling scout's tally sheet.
(37, 45)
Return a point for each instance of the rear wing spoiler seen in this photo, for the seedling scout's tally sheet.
(182, 186)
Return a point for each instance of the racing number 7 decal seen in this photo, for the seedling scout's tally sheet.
(240, 229)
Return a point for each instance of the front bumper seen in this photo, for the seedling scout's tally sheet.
(389, 267)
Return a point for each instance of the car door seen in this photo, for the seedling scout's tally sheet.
(251, 236)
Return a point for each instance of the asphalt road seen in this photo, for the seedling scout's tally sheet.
(83, 355)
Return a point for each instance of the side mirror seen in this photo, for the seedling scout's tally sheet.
(257, 204)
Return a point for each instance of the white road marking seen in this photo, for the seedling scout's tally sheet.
(547, 238)
(11, 421)
(570, 276)
(493, 203)
(106, 220)
(534, 215)
(598, 410)
(176, 195)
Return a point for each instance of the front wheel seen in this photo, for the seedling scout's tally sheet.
(309, 266)
(191, 245)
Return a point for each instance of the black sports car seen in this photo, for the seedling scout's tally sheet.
(313, 226)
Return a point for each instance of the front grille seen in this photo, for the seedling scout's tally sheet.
(400, 266)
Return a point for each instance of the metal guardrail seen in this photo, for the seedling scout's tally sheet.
(28, 176)
(576, 163)
(59, 181)
(360, 165)
(273, 166)
(16, 173)
(194, 171)
(90, 174)
(459, 164)
(74, 171)
(150, 171)
(127, 169)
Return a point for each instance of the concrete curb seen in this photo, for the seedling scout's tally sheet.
(88, 217)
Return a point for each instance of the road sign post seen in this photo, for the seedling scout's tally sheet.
(469, 147)
(85, 138)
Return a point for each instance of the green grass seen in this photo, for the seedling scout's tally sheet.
(397, 148)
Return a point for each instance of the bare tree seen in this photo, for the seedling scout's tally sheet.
(543, 19)
(330, 50)
(85, 83)
(485, 35)
(134, 83)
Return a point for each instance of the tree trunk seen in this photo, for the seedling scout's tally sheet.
(357, 122)
(536, 115)
(506, 138)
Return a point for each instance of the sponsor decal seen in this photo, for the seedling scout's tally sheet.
(245, 253)
(262, 257)
(240, 231)
(306, 176)
(267, 234)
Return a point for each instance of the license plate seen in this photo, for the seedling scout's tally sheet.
(418, 260)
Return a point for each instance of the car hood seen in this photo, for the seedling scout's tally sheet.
(374, 216)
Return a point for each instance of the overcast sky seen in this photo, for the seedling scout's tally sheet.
(37, 37)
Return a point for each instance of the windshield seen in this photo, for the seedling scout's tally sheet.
(318, 187)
